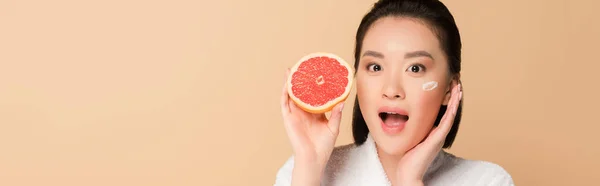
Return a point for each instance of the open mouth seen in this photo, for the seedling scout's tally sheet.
(393, 119)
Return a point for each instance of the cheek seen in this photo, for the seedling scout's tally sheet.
(428, 99)
(368, 95)
(366, 89)
(425, 104)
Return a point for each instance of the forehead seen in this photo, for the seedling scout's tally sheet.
(397, 34)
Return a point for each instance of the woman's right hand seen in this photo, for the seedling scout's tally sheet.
(312, 137)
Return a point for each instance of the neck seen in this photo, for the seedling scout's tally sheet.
(389, 163)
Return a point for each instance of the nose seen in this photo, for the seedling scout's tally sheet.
(393, 89)
(390, 94)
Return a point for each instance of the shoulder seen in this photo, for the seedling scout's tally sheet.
(463, 171)
(284, 173)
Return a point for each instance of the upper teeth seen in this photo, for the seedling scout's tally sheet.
(390, 113)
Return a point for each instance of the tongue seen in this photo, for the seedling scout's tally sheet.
(394, 120)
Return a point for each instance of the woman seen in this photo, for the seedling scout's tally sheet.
(408, 108)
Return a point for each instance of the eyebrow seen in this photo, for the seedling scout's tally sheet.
(420, 53)
(373, 53)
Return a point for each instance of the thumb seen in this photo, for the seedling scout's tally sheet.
(336, 118)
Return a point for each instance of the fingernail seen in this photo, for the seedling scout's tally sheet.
(342, 107)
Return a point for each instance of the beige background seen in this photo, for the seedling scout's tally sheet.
(186, 92)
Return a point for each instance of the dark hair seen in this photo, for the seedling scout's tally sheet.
(435, 14)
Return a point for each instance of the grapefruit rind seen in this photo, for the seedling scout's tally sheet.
(330, 104)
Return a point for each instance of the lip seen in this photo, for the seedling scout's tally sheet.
(392, 109)
(391, 130)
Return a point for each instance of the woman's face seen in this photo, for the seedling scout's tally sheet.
(399, 56)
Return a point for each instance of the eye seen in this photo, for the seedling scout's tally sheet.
(416, 68)
(374, 67)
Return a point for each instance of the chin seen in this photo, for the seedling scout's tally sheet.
(391, 145)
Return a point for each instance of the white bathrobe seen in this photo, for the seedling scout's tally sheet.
(359, 165)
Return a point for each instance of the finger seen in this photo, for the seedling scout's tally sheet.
(285, 98)
(296, 110)
(320, 117)
(448, 119)
(336, 118)
(436, 138)
(440, 132)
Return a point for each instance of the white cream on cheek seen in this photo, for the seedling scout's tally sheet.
(428, 86)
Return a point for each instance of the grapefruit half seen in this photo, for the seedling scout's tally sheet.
(319, 81)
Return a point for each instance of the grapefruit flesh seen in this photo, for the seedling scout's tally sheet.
(319, 81)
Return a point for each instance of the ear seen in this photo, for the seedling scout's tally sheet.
(454, 81)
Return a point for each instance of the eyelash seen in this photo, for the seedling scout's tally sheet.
(373, 65)
(423, 69)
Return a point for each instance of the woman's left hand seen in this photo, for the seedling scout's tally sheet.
(414, 164)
